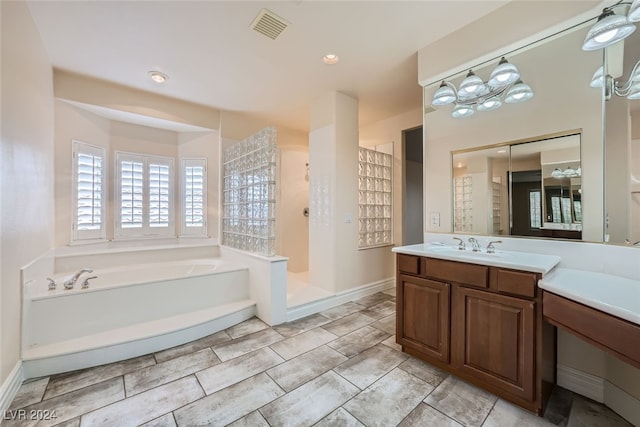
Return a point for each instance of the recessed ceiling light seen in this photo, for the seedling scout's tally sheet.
(330, 59)
(158, 77)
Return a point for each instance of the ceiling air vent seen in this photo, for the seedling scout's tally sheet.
(269, 24)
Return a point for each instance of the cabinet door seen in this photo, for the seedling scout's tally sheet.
(494, 340)
(423, 316)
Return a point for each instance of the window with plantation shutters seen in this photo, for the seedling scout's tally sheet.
(144, 190)
(193, 196)
(88, 191)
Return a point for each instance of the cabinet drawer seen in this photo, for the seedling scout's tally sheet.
(451, 271)
(517, 282)
(408, 264)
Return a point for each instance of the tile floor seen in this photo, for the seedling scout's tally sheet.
(340, 367)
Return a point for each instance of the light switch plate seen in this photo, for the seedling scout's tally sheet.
(435, 219)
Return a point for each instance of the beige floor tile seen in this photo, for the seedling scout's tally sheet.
(370, 365)
(506, 414)
(246, 344)
(166, 420)
(145, 406)
(230, 404)
(426, 372)
(389, 400)
(310, 402)
(387, 324)
(235, 370)
(301, 343)
(71, 405)
(374, 299)
(339, 418)
(391, 291)
(587, 413)
(391, 342)
(296, 327)
(191, 347)
(347, 324)
(305, 367)
(425, 416)
(461, 401)
(64, 383)
(165, 372)
(30, 392)
(342, 310)
(254, 419)
(358, 341)
(379, 311)
(247, 327)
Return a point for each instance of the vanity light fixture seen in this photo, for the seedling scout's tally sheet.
(504, 85)
(630, 89)
(158, 77)
(611, 28)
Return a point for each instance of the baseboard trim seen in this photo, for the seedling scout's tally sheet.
(313, 307)
(627, 406)
(10, 386)
(581, 382)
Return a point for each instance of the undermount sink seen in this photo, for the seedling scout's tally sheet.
(533, 262)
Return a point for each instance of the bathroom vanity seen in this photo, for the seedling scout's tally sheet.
(478, 316)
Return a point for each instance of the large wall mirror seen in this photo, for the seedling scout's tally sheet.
(622, 146)
(538, 164)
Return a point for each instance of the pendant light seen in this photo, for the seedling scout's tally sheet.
(444, 95)
(504, 74)
(461, 111)
(634, 11)
(609, 29)
(471, 86)
(519, 92)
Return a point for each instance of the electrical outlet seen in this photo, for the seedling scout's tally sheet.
(435, 219)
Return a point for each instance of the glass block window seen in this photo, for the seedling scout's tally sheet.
(194, 197)
(249, 194)
(88, 182)
(374, 194)
(535, 209)
(462, 207)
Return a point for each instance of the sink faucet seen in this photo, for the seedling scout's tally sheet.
(492, 249)
(461, 245)
(474, 244)
(71, 281)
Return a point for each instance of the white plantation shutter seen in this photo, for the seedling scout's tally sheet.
(88, 191)
(194, 202)
(145, 192)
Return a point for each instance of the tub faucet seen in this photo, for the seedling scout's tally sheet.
(474, 244)
(71, 281)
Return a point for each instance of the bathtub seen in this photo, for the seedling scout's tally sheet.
(128, 310)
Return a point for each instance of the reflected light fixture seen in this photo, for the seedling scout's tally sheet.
(158, 77)
(611, 28)
(330, 59)
(629, 89)
(504, 85)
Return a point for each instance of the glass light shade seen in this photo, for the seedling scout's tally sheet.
(460, 111)
(471, 86)
(519, 92)
(569, 172)
(444, 95)
(490, 104)
(609, 29)
(504, 74)
(598, 78)
(635, 73)
(557, 173)
(634, 91)
(634, 11)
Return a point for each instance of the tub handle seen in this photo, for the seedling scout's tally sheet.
(52, 284)
(85, 284)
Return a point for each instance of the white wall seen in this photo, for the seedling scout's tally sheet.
(26, 166)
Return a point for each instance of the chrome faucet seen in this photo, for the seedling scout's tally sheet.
(474, 244)
(492, 249)
(71, 281)
(461, 245)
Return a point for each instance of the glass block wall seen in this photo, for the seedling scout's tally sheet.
(249, 183)
(462, 208)
(374, 193)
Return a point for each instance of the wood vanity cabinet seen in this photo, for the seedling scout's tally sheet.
(481, 323)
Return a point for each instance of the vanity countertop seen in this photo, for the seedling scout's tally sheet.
(611, 294)
(536, 263)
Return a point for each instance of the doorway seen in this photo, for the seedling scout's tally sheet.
(412, 187)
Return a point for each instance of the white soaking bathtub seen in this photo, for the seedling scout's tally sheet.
(128, 311)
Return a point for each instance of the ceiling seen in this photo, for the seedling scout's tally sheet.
(214, 58)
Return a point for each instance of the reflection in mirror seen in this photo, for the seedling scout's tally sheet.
(622, 146)
(525, 189)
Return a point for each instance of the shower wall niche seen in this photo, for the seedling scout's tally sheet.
(249, 183)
